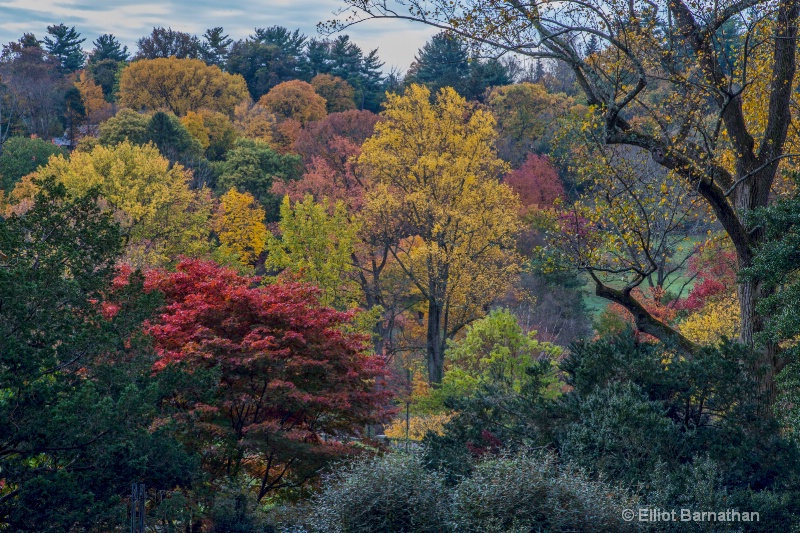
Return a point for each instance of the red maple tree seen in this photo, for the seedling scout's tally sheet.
(537, 183)
(714, 266)
(293, 379)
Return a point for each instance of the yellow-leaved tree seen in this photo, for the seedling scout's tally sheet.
(161, 216)
(436, 197)
(213, 130)
(254, 121)
(719, 318)
(180, 86)
(295, 100)
(195, 125)
(239, 224)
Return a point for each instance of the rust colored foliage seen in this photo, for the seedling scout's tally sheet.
(295, 100)
(536, 182)
(329, 148)
(291, 376)
(355, 126)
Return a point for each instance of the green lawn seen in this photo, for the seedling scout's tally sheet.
(595, 305)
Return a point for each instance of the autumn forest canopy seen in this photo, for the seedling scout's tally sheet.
(547, 275)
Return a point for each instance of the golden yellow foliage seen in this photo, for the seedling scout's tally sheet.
(239, 224)
(254, 121)
(20, 199)
(438, 200)
(527, 113)
(162, 217)
(195, 125)
(338, 94)
(180, 86)
(719, 318)
(94, 104)
(418, 426)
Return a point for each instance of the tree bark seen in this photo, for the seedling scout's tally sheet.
(435, 345)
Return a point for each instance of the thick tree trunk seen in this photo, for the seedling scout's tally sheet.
(435, 344)
(769, 362)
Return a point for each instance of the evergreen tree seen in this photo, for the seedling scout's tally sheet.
(317, 57)
(291, 42)
(344, 59)
(484, 75)
(29, 40)
(216, 46)
(592, 46)
(539, 74)
(372, 88)
(104, 73)
(268, 57)
(172, 138)
(78, 399)
(291, 49)
(442, 62)
(74, 112)
(728, 43)
(252, 167)
(108, 47)
(64, 44)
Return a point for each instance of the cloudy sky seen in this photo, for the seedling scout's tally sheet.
(397, 42)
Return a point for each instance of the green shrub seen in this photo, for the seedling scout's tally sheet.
(530, 491)
(392, 493)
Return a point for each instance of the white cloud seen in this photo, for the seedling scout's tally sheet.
(397, 41)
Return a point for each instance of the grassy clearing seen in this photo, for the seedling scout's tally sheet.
(680, 279)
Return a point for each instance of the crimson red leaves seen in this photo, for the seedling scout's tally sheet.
(291, 375)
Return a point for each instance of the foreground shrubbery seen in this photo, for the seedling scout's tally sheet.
(528, 491)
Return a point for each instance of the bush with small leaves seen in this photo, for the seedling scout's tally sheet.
(530, 491)
(390, 493)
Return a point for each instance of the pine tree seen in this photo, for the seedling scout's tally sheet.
(317, 57)
(372, 89)
(344, 59)
(539, 75)
(29, 40)
(268, 57)
(441, 62)
(444, 61)
(64, 44)
(216, 46)
(592, 46)
(108, 47)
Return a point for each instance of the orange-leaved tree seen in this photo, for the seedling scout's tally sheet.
(295, 100)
